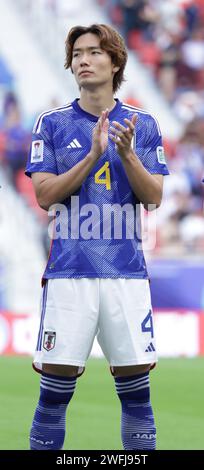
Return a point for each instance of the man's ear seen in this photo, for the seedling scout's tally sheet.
(116, 68)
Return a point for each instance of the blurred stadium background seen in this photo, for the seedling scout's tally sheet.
(165, 75)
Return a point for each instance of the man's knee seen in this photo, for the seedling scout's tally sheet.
(61, 370)
(127, 371)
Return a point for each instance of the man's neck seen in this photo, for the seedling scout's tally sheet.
(94, 102)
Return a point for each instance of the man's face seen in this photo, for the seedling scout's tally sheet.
(91, 65)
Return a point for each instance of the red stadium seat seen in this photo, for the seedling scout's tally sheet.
(134, 40)
(149, 53)
(24, 186)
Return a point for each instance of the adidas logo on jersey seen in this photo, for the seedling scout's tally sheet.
(150, 348)
(74, 144)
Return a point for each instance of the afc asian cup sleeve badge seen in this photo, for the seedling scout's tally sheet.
(37, 151)
(49, 340)
(161, 155)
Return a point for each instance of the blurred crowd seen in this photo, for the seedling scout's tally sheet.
(168, 37)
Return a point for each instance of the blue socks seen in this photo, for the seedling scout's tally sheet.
(48, 427)
(137, 423)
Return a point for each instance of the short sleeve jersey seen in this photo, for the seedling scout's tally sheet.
(97, 229)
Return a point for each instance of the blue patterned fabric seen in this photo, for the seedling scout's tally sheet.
(48, 427)
(61, 138)
(137, 422)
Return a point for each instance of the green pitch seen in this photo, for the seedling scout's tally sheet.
(94, 412)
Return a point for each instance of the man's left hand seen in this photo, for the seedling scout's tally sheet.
(122, 136)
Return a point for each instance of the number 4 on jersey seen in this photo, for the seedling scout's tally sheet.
(145, 326)
(104, 169)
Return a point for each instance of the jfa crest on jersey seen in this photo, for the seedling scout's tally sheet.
(49, 340)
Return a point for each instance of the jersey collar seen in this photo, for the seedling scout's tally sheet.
(91, 117)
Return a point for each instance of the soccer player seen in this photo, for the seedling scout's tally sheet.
(95, 160)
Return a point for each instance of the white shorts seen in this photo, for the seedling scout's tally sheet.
(117, 311)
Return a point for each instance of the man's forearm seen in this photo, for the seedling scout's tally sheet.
(143, 184)
(58, 187)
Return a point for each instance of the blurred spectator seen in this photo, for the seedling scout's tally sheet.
(168, 63)
(14, 137)
(188, 105)
(191, 231)
(6, 77)
(191, 71)
(138, 15)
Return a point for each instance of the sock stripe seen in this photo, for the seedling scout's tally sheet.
(128, 382)
(132, 377)
(135, 405)
(132, 384)
(65, 381)
(47, 409)
(58, 385)
(57, 390)
(133, 389)
(128, 386)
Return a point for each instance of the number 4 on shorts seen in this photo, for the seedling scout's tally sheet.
(147, 324)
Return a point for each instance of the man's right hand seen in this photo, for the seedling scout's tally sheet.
(100, 135)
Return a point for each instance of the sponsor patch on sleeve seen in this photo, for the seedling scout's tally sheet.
(161, 155)
(37, 151)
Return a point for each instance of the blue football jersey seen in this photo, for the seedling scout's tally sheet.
(101, 238)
